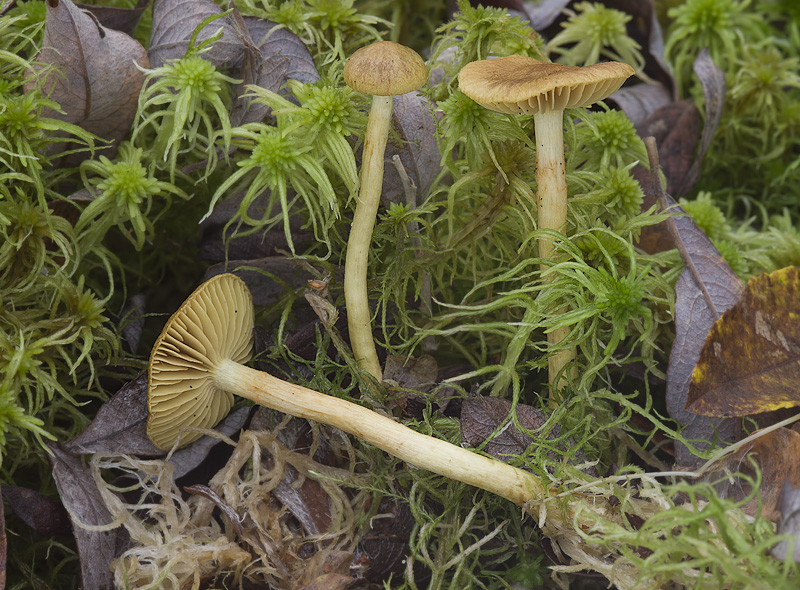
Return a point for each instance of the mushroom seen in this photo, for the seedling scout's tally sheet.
(196, 365)
(519, 84)
(382, 69)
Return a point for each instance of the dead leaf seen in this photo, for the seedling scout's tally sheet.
(124, 20)
(775, 453)
(45, 516)
(328, 582)
(267, 278)
(712, 79)
(133, 316)
(486, 420)
(750, 362)
(419, 151)
(85, 505)
(383, 549)
(789, 508)
(174, 22)
(188, 458)
(279, 54)
(676, 128)
(640, 101)
(96, 81)
(404, 376)
(705, 289)
(120, 425)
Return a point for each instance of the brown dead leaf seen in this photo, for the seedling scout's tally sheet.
(750, 362)
(712, 78)
(328, 582)
(95, 79)
(80, 496)
(789, 524)
(267, 278)
(174, 23)
(486, 420)
(418, 150)
(45, 516)
(676, 128)
(705, 289)
(775, 453)
(124, 20)
(383, 549)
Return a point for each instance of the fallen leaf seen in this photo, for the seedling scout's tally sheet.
(174, 23)
(383, 549)
(44, 515)
(405, 376)
(486, 420)
(418, 150)
(712, 78)
(267, 278)
(79, 494)
(124, 20)
(750, 362)
(133, 316)
(97, 82)
(328, 582)
(120, 425)
(640, 101)
(704, 290)
(789, 508)
(274, 56)
(676, 128)
(191, 457)
(775, 453)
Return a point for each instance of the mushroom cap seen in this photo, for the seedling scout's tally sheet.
(213, 324)
(519, 84)
(385, 68)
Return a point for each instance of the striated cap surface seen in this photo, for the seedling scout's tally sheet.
(385, 69)
(520, 84)
(214, 323)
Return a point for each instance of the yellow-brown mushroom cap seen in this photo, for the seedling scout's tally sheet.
(519, 84)
(213, 324)
(385, 69)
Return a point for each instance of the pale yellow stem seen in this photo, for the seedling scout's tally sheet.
(551, 194)
(418, 449)
(359, 316)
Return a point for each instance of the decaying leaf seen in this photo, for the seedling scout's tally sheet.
(272, 56)
(174, 23)
(789, 508)
(45, 516)
(120, 19)
(676, 128)
(95, 79)
(267, 278)
(712, 79)
(120, 425)
(85, 505)
(482, 417)
(640, 101)
(775, 454)
(705, 289)
(383, 549)
(750, 362)
(418, 150)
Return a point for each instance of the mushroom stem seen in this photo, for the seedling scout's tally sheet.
(551, 194)
(359, 316)
(398, 440)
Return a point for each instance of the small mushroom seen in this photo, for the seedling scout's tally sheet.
(519, 84)
(383, 70)
(196, 365)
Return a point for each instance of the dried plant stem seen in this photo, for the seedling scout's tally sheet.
(359, 316)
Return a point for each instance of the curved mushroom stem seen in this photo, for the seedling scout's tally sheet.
(357, 259)
(551, 193)
(398, 440)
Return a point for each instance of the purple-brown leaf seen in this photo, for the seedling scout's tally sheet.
(45, 516)
(80, 496)
(123, 20)
(705, 289)
(174, 23)
(487, 419)
(97, 81)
